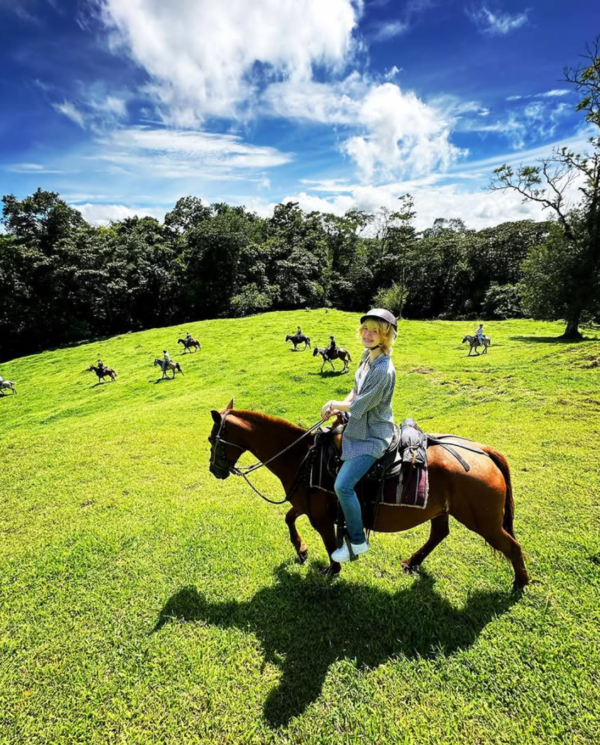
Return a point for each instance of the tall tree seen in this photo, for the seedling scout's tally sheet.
(577, 249)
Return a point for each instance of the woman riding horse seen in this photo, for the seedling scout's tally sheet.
(370, 426)
(479, 497)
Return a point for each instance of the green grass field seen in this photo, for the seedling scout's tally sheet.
(143, 601)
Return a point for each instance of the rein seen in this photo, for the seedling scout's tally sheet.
(245, 470)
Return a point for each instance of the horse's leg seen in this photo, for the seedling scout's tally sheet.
(326, 529)
(439, 529)
(297, 542)
(499, 539)
(468, 511)
(323, 522)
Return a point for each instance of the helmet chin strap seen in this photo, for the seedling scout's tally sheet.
(375, 347)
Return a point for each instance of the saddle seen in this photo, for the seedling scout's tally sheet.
(403, 465)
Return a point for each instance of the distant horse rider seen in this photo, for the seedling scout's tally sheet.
(166, 360)
(101, 368)
(332, 346)
(298, 333)
(188, 339)
(479, 333)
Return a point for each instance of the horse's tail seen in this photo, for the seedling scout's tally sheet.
(350, 358)
(179, 367)
(509, 502)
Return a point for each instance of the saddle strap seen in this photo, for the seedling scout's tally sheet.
(458, 457)
(436, 440)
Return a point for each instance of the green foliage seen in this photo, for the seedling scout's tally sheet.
(143, 601)
(502, 302)
(62, 280)
(392, 298)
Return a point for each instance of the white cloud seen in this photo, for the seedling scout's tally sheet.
(31, 168)
(492, 23)
(104, 214)
(112, 105)
(323, 103)
(478, 209)
(178, 153)
(71, 112)
(534, 121)
(405, 135)
(209, 58)
(390, 29)
(548, 94)
(553, 93)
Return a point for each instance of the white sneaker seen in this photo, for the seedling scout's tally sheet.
(342, 554)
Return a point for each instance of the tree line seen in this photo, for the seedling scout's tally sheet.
(63, 280)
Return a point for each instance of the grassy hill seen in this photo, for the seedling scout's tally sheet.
(143, 601)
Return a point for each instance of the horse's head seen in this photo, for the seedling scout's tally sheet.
(288, 338)
(465, 338)
(315, 351)
(224, 450)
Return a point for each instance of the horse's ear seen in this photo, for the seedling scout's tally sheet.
(230, 405)
(216, 416)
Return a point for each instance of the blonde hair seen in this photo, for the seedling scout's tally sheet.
(387, 333)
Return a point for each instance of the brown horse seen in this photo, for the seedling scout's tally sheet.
(298, 339)
(480, 499)
(175, 367)
(191, 344)
(336, 354)
(103, 372)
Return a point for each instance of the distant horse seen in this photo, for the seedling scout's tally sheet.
(298, 339)
(474, 343)
(337, 354)
(480, 498)
(103, 372)
(174, 366)
(7, 385)
(191, 344)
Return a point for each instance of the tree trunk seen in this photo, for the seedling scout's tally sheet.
(572, 332)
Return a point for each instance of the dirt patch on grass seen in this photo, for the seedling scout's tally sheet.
(421, 371)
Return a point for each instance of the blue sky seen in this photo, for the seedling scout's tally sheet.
(123, 106)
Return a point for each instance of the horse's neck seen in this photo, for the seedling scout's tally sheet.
(265, 438)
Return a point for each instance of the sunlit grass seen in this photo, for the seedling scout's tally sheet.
(143, 601)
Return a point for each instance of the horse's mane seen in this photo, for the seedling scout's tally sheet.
(259, 417)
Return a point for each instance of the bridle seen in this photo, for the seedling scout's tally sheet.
(220, 461)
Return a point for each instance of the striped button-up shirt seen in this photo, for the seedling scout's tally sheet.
(371, 424)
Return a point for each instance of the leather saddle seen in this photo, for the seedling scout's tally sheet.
(408, 447)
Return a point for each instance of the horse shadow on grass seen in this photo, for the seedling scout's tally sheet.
(330, 373)
(306, 623)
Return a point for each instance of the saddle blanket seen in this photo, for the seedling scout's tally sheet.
(409, 489)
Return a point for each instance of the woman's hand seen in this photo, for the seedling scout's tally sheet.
(327, 410)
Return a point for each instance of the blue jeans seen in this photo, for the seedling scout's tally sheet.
(349, 475)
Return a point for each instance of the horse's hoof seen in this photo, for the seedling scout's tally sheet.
(332, 570)
(409, 568)
(518, 587)
(303, 556)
